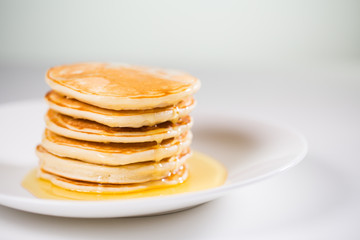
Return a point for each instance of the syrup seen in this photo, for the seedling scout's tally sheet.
(204, 173)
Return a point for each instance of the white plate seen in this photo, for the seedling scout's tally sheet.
(250, 149)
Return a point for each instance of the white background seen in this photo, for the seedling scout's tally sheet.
(291, 61)
(220, 33)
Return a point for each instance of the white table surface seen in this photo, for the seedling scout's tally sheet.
(318, 199)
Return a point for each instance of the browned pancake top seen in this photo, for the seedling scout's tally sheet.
(124, 81)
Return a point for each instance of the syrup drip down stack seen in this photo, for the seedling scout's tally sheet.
(114, 128)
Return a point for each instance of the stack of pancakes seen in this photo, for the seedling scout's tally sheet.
(116, 128)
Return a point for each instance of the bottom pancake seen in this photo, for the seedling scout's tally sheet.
(177, 177)
(103, 174)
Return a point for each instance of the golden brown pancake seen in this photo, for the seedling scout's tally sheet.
(114, 153)
(176, 177)
(122, 118)
(92, 131)
(120, 86)
(130, 173)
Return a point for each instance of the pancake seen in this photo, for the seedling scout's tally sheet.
(114, 153)
(131, 173)
(176, 177)
(113, 118)
(121, 86)
(92, 131)
(116, 128)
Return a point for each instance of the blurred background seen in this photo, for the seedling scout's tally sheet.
(296, 61)
(231, 41)
(248, 45)
(176, 33)
(240, 43)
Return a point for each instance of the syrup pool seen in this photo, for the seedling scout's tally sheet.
(204, 173)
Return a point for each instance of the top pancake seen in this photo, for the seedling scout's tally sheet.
(121, 87)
